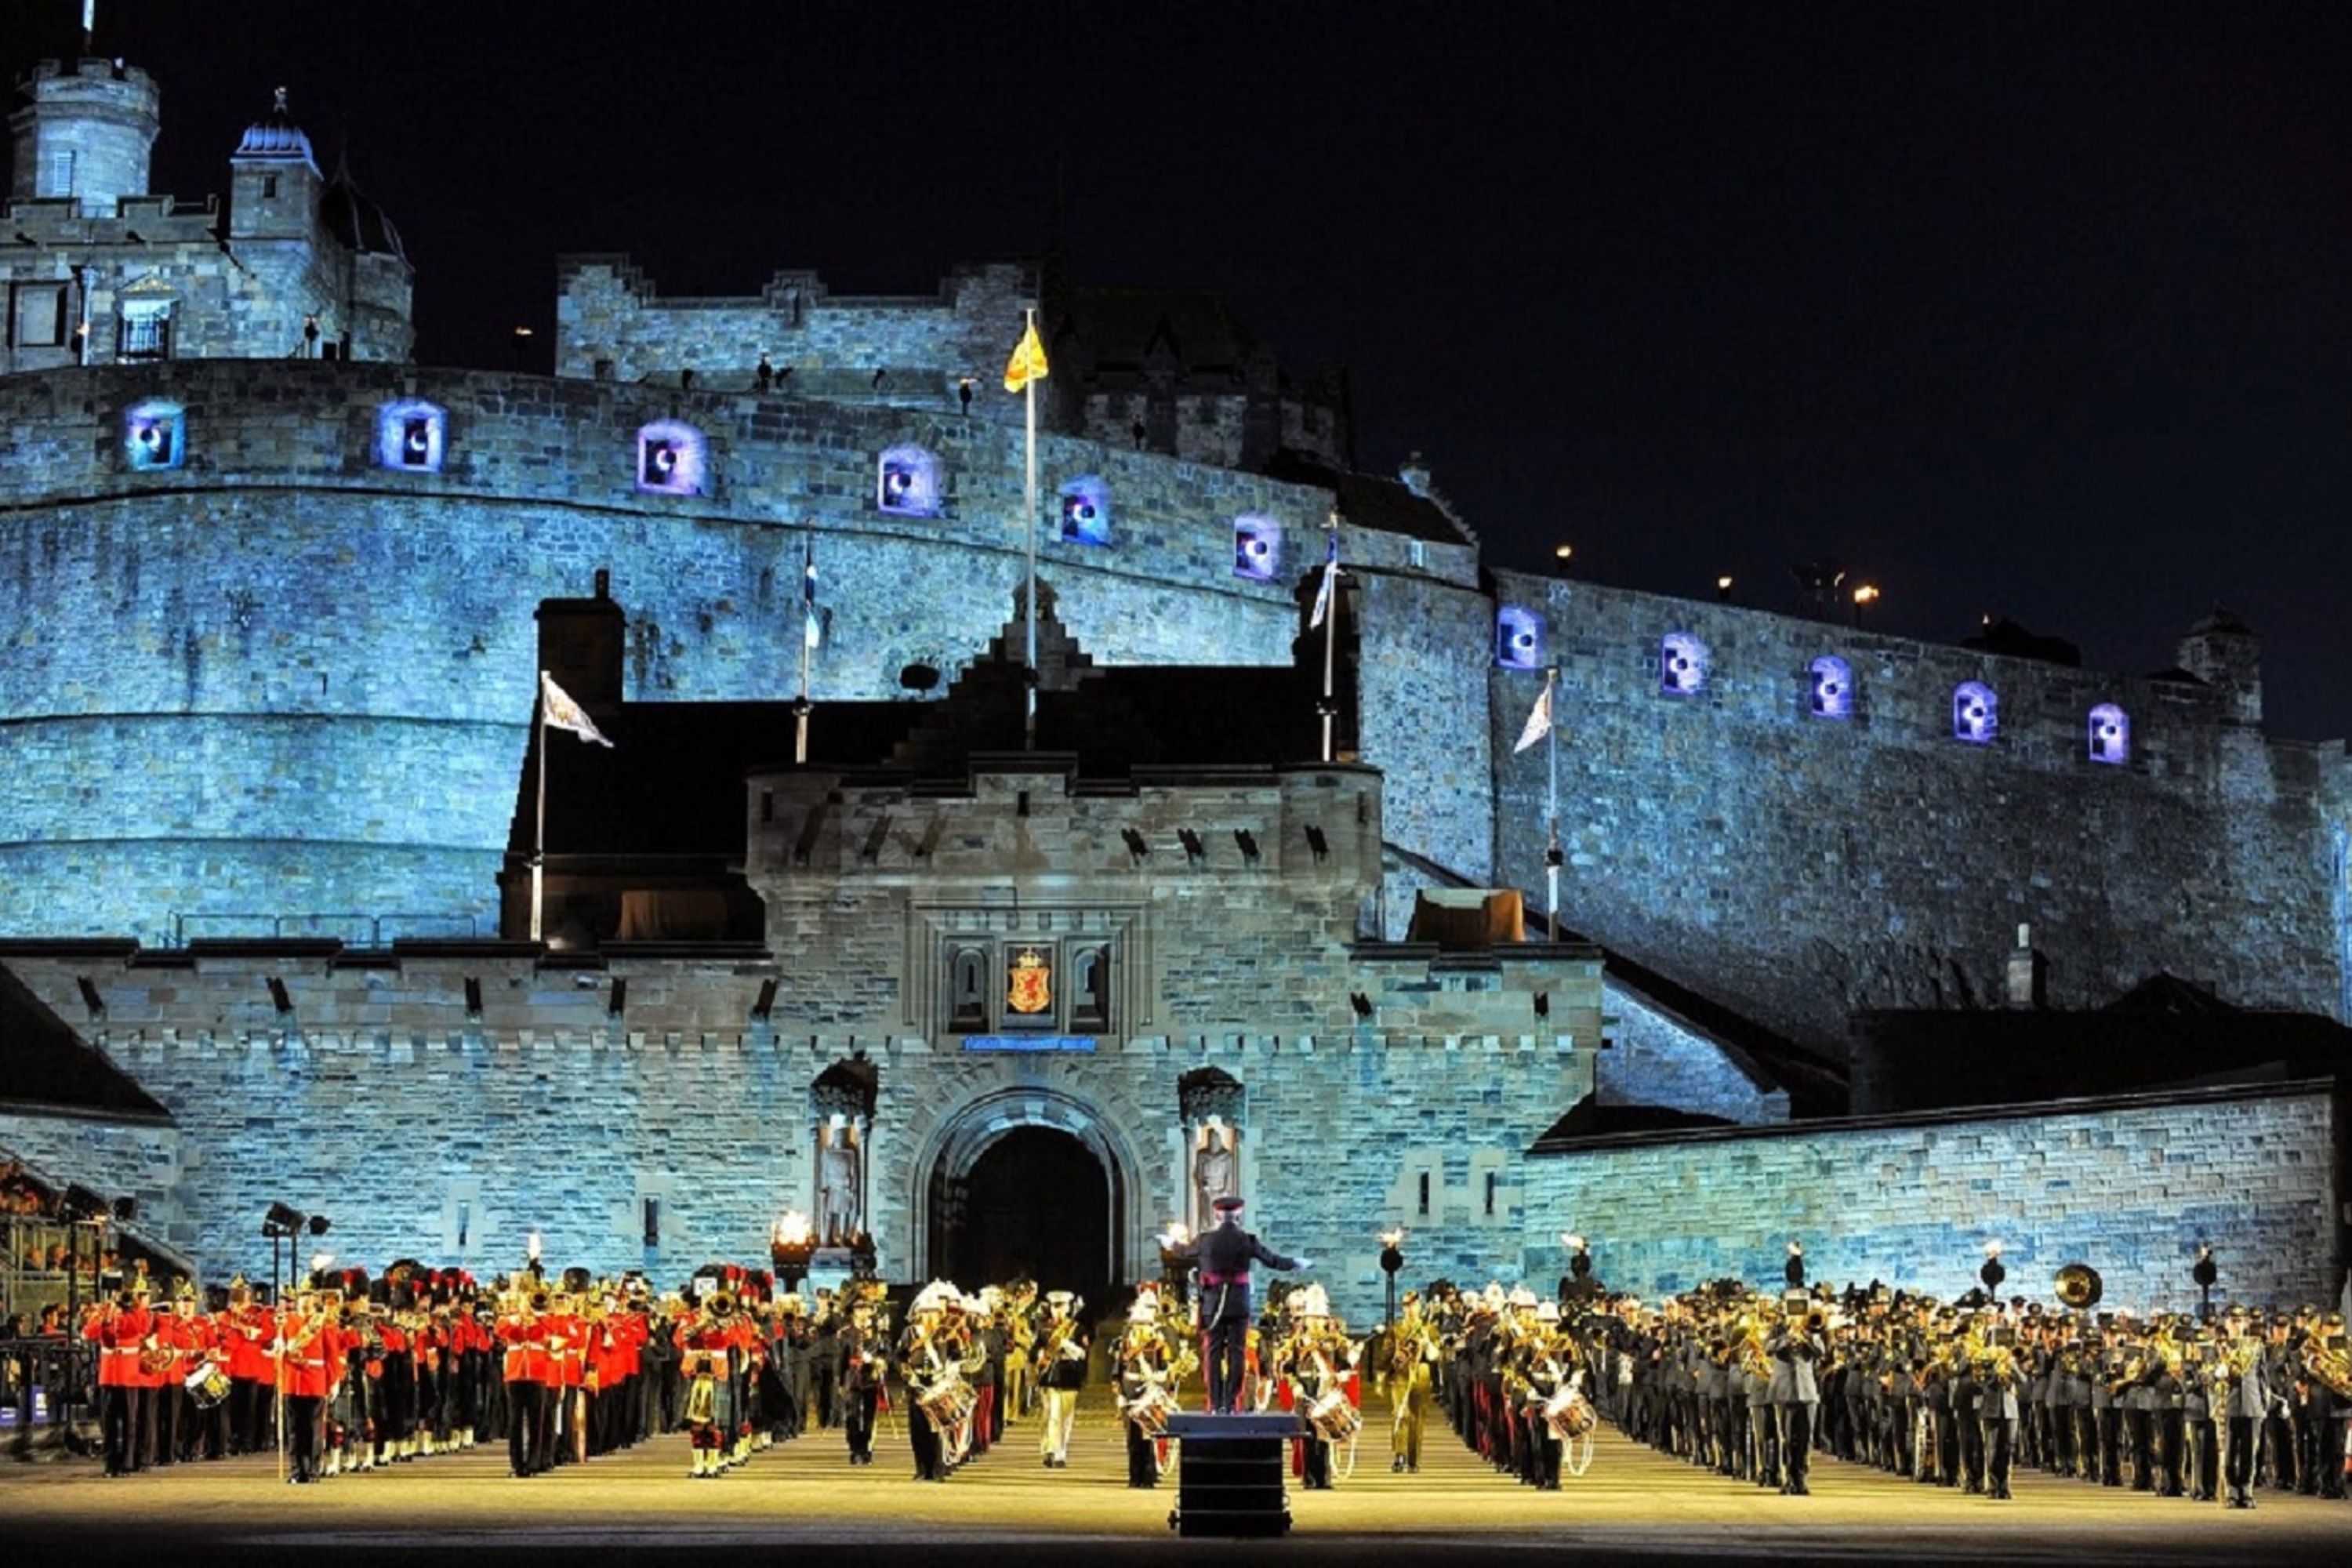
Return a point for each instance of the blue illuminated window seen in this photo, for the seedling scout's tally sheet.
(906, 482)
(2110, 734)
(1682, 665)
(155, 435)
(1519, 638)
(1086, 511)
(1975, 713)
(1257, 547)
(670, 459)
(410, 434)
(1830, 681)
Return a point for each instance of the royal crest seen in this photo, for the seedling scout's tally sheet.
(1029, 987)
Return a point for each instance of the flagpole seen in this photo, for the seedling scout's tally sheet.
(1029, 526)
(808, 610)
(1551, 803)
(1331, 632)
(539, 820)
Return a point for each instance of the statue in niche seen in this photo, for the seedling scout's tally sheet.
(840, 1203)
(1214, 1170)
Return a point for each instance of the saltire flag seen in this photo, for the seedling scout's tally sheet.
(1028, 360)
(1328, 586)
(812, 618)
(559, 711)
(1538, 722)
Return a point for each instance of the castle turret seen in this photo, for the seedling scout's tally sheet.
(2224, 652)
(274, 182)
(86, 134)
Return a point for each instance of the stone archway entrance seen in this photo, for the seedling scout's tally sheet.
(1036, 1202)
(1030, 1182)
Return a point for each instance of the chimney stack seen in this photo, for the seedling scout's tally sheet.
(2028, 972)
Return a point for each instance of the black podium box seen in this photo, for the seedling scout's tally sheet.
(1229, 1474)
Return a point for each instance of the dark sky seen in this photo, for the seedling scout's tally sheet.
(2043, 310)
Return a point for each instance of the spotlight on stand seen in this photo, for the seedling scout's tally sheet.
(81, 1204)
(1794, 1272)
(1993, 1273)
(318, 1225)
(1392, 1263)
(2204, 1273)
(283, 1220)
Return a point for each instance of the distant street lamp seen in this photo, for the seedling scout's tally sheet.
(1864, 595)
(1174, 1266)
(1723, 589)
(1993, 1273)
(1559, 556)
(2204, 1273)
(1391, 1263)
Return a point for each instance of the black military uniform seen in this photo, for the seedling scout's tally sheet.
(1222, 1255)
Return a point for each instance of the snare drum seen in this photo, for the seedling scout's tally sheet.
(207, 1385)
(1333, 1418)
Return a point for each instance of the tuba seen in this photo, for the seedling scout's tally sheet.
(2078, 1285)
(2328, 1362)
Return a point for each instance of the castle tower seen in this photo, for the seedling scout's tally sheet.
(274, 182)
(2224, 652)
(86, 134)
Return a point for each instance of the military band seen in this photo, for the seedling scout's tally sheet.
(352, 1373)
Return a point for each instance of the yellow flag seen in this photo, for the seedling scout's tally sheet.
(1027, 364)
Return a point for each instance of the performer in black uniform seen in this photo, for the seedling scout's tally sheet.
(1222, 1255)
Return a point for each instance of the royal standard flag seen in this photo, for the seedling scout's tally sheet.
(559, 711)
(1027, 364)
(1538, 722)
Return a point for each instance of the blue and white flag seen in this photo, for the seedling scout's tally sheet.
(811, 618)
(1328, 586)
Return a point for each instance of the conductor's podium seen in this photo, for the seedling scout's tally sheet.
(1229, 1473)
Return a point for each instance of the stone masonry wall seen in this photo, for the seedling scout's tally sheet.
(2131, 1187)
(282, 659)
(1800, 867)
(420, 1130)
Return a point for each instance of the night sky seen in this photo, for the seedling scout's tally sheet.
(2041, 310)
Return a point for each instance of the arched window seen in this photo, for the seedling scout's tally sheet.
(1975, 713)
(1086, 511)
(1831, 681)
(670, 459)
(2110, 734)
(968, 990)
(906, 482)
(1519, 638)
(1257, 547)
(1682, 665)
(155, 435)
(410, 434)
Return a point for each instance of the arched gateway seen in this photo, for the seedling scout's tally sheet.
(1031, 1180)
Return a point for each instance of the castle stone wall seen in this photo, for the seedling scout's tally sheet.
(1802, 867)
(282, 678)
(379, 1102)
(2131, 1187)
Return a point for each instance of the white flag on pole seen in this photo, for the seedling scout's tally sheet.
(1538, 722)
(1328, 586)
(559, 711)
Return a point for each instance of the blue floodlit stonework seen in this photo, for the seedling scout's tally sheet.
(270, 662)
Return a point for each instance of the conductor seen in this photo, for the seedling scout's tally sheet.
(1222, 1255)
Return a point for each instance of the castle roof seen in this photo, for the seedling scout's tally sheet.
(1371, 500)
(275, 135)
(2163, 1033)
(48, 1067)
(351, 215)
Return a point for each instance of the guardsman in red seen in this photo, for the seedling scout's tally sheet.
(521, 1331)
(306, 1340)
(567, 1344)
(117, 1328)
(243, 1333)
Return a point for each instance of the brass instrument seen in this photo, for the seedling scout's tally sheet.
(2078, 1285)
(2329, 1362)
